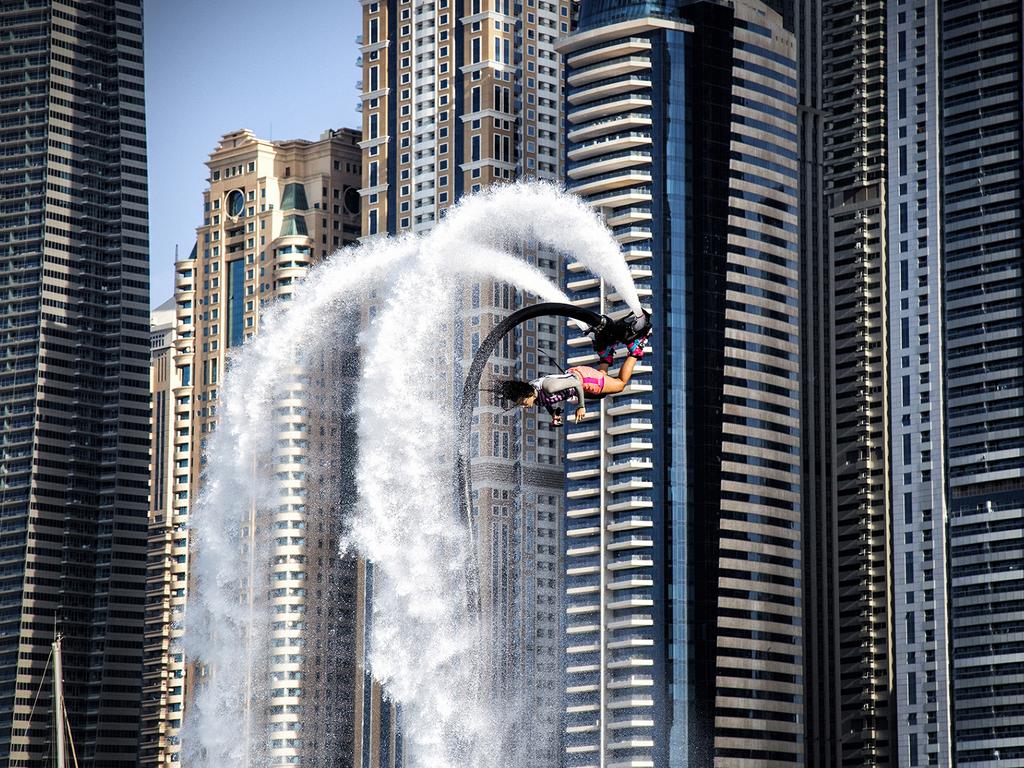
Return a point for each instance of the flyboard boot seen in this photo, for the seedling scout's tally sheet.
(627, 330)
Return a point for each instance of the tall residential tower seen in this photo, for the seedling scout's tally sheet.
(917, 511)
(74, 397)
(271, 212)
(458, 96)
(683, 544)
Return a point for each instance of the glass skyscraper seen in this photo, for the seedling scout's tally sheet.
(683, 543)
(982, 310)
(74, 394)
(913, 117)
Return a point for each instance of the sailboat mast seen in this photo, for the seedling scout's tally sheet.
(58, 702)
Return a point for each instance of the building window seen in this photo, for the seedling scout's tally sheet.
(236, 302)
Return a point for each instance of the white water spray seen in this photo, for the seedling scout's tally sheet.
(424, 644)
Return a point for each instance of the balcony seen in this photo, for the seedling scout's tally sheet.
(606, 163)
(631, 503)
(600, 90)
(633, 681)
(628, 563)
(630, 102)
(633, 542)
(584, 512)
(584, 284)
(630, 483)
(578, 436)
(631, 602)
(623, 216)
(623, 47)
(582, 474)
(631, 621)
(603, 70)
(632, 581)
(633, 522)
(583, 531)
(631, 463)
(615, 180)
(631, 426)
(609, 144)
(616, 123)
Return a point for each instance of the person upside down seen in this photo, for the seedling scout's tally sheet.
(575, 384)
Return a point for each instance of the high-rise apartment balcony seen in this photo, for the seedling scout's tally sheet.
(582, 285)
(625, 102)
(608, 68)
(610, 144)
(603, 164)
(629, 482)
(581, 551)
(633, 542)
(587, 530)
(630, 562)
(632, 463)
(630, 621)
(603, 89)
(617, 123)
(629, 215)
(624, 47)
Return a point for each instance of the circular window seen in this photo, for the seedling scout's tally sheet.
(236, 202)
(351, 200)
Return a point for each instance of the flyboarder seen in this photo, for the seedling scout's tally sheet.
(577, 382)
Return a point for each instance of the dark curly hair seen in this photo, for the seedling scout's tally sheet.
(511, 391)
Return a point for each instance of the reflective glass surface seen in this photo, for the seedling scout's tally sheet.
(596, 13)
(236, 293)
(236, 203)
(293, 225)
(294, 197)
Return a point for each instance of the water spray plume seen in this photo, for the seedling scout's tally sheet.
(424, 644)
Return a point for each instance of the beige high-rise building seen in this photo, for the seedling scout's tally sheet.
(458, 96)
(165, 575)
(272, 210)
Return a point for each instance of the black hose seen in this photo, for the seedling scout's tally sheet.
(463, 469)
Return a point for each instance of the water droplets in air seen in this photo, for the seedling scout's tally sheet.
(405, 520)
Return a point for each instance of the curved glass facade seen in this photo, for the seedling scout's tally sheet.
(293, 225)
(683, 538)
(600, 13)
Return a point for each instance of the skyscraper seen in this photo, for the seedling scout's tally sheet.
(683, 542)
(920, 269)
(915, 274)
(75, 450)
(975, 289)
(458, 96)
(272, 211)
(166, 566)
(846, 506)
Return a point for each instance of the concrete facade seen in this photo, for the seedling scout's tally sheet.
(457, 96)
(272, 210)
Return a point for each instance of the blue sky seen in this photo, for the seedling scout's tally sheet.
(287, 70)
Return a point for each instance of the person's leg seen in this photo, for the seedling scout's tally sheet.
(615, 384)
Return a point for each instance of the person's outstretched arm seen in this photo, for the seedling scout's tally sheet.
(562, 382)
